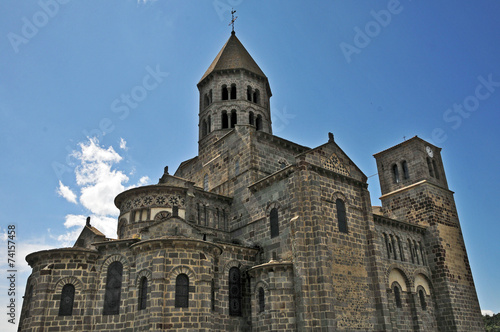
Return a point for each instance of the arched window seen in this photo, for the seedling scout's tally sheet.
(143, 293)
(429, 165)
(67, 300)
(234, 118)
(341, 215)
(182, 291)
(113, 289)
(209, 124)
(436, 172)
(206, 101)
(210, 96)
(212, 295)
(256, 96)
(274, 222)
(423, 303)
(205, 182)
(249, 93)
(397, 296)
(258, 122)
(234, 292)
(410, 249)
(224, 120)
(400, 246)
(251, 119)
(262, 299)
(204, 128)
(224, 93)
(387, 246)
(406, 174)
(395, 173)
(233, 91)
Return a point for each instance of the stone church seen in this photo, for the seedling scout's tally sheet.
(257, 233)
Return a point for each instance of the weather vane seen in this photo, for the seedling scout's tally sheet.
(233, 18)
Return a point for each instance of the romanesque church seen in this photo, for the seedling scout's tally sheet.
(257, 233)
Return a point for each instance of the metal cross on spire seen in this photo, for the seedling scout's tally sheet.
(233, 18)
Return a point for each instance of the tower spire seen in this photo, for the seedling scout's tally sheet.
(233, 19)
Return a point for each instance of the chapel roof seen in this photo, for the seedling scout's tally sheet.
(233, 55)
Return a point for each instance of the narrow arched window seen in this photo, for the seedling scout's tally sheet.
(258, 122)
(415, 248)
(256, 96)
(436, 172)
(233, 91)
(209, 124)
(224, 120)
(406, 174)
(341, 215)
(421, 252)
(429, 166)
(234, 292)
(234, 118)
(113, 289)
(387, 246)
(410, 249)
(397, 296)
(251, 119)
(210, 96)
(274, 223)
(249, 93)
(423, 303)
(224, 93)
(67, 300)
(204, 128)
(143, 293)
(182, 291)
(395, 173)
(212, 295)
(262, 300)
(401, 253)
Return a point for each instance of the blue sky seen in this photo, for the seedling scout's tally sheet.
(99, 96)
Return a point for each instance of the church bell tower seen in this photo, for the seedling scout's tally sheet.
(233, 91)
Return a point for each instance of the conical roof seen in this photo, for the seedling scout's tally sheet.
(233, 55)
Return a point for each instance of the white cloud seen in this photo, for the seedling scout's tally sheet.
(123, 144)
(144, 181)
(487, 312)
(67, 193)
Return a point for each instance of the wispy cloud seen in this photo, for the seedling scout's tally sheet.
(123, 144)
(67, 193)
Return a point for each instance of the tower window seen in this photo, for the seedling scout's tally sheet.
(234, 292)
(395, 173)
(233, 91)
(206, 100)
(143, 293)
(113, 289)
(423, 303)
(234, 118)
(256, 96)
(429, 165)
(436, 172)
(251, 118)
(262, 299)
(397, 296)
(225, 94)
(406, 174)
(341, 215)
(212, 294)
(410, 249)
(182, 291)
(274, 222)
(249, 93)
(204, 128)
(209, 124)
(210, 96)
(224, 120)
(67, 299)
(258, 122)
